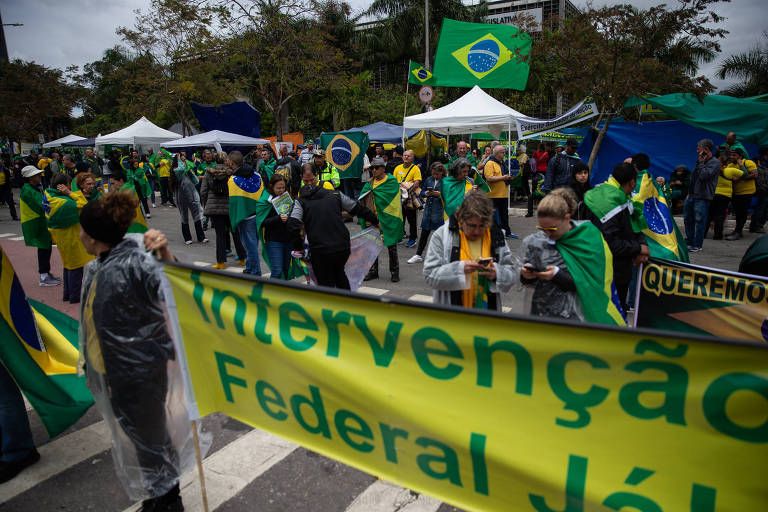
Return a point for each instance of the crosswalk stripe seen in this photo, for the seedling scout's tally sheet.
(230, 469)
(3, 235)
(201, 264)
(57, 456)
(237, 269)
(372, 291)
(17, 238)
(383, 496)
(420, 298)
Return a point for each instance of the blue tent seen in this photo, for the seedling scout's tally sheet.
(385, 132)
(667, 143)
(238, 117)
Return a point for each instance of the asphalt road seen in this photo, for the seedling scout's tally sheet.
(247, 469)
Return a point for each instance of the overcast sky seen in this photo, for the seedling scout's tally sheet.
(59, 34)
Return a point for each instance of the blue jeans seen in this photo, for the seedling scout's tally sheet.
(249, 235)
(696, 218)
(15, 433)
(279, 257)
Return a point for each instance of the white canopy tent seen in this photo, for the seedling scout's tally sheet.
(216, 139)
(141, 133)
(58, 142)
(475, 112)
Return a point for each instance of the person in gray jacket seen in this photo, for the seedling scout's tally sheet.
(214, 196)
(700, 194)
(184, 187)
(468, 262)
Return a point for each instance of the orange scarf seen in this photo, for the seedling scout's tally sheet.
(476, 296)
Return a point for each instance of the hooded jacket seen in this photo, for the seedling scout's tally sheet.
(215, 204)
(559, 171)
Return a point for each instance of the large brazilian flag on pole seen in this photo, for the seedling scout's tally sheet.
(487, 55)
(662, 234)
(345, 151)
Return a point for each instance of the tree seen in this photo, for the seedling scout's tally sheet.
(614, 52)
(750, 68)
(33, 99)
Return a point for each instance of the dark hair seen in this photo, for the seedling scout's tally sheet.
(274, 180)
(119, 175)
(457, 165)
(308, 167)
(580, 167)
(60, 179)
(624, 173)
(438, 166)
(739, 151)
(108, 218)
(641, 161)
(475, 204)
(706, 143)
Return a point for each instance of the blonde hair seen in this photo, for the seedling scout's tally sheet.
(220, 157)
(557, 204)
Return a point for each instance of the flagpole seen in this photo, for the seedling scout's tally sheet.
(509, 158)
(199, 457)
(405, 109)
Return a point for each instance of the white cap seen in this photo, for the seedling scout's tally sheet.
(30, 171)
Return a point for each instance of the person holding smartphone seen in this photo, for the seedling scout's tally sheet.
(468, 263)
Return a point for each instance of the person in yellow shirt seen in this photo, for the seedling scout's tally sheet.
(723, 193)
(499, 188)
(163, 166)
(743, 189)
(408, 175)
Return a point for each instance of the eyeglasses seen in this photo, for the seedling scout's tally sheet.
(546, 229)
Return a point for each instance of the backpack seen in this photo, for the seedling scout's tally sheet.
(285, 171)
(219, 187)
(761, 182)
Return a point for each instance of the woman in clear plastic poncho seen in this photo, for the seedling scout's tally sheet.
(128, 353)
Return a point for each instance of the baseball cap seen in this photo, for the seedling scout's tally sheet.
(378, 162)
(30, 171)
(319, 152)
(309, 141)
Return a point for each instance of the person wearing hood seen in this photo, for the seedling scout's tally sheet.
(580, 184)
(560, 168)
(214, 196)
(318, 210)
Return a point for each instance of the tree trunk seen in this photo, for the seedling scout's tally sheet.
(598, 142)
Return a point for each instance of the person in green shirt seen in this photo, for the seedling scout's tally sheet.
(462, 151)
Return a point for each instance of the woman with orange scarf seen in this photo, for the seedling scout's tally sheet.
(468, 262)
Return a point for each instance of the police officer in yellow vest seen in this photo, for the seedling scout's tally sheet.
(324, 170)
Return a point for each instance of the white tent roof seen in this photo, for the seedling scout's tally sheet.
(58, 142)
(142, 132)
(475, 112)
(214, 137)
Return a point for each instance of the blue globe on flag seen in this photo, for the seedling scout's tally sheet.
(341, 152)
(657, 215)
(422, 74)
(483, 56)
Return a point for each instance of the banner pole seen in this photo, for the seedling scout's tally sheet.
(405, 109)
(509, 158)
(199, 457)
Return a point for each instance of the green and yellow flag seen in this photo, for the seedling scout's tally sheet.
(609, 200)
(33, 224)
(487, 55)
(662, 234)
(345, 151)
(247, 196)
(389, 210)
(590, 262)
(139, 224)
(63, 219)
(452, 194)
(419, 75)
(39, 350)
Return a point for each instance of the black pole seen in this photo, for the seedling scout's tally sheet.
(3, 48)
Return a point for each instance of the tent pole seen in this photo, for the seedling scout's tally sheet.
(509, 158)
(405, 109)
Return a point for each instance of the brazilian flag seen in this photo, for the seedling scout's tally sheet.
(63, 219)
(419, 75)
(590, 262)
(490, 56)
(662, 234)
(345, 151)
(139, 224)
(389, 210)
(39, 350)
(33, 224)
(609, 200)
(247, 196)
(452, 194)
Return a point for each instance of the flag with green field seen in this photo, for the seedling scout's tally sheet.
(419, 75)
(33, 224)
(63, 216)
(139, 224)
(345, 151)
(609, 200)
(389, 210)
(589, 260)
(662, 234)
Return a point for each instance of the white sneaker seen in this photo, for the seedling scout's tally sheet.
(47, 280)
(154, 205)
(205, 241)
(188, 242)
(415, 259)
(149, 215)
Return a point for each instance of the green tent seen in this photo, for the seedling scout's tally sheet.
(747, 117)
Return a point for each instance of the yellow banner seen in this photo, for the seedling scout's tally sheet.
(484, 411)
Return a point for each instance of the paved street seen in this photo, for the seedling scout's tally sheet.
(247, 469)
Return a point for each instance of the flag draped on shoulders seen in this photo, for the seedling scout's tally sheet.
(590, 262)
(63, 218)
(608, 200)
(141, 182)
(81, 200)
(389, 210)
(662, 234)
(452, 194)
(33, 224)
(247, 197)
(139, 224)
(39, 350)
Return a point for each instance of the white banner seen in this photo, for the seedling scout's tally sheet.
(528, 127)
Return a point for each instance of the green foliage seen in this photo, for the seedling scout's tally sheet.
(750, 68)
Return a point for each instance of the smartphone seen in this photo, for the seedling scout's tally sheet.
(484, 261)
(534, 268)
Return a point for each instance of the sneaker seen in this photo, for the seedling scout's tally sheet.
(8, 470)
(529, 214)
(410, 243)
(49, 280)
(693, 249)
(733, 236)
(188, 242)
(154, 205)
(220, 266)
(395, 278)
(228, 252)
(149, 215)
(241, 262)
(55, 278)
(204, 241)
(415, 259)
(512, 235)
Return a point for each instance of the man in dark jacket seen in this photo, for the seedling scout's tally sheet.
(700, 193)
(612, 211)
(319, 211)
(288, 166)
(560, 168)
(397, 159)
